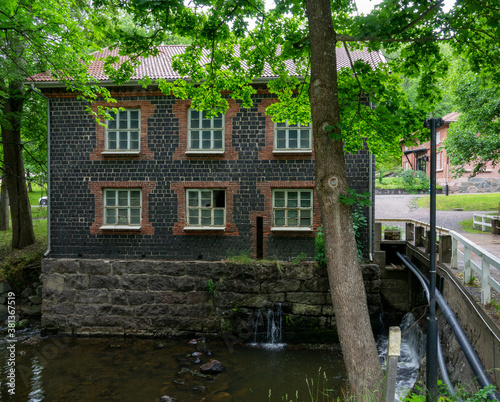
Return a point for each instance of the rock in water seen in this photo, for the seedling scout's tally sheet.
(166, 398)
(212, 367)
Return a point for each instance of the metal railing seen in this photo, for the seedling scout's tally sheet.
(453, 249)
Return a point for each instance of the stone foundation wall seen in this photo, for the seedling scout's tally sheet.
(479, 185)
(174, 299)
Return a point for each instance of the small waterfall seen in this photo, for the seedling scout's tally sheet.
(275, 325)
(271, 335)
(257, 324)
(412, 351)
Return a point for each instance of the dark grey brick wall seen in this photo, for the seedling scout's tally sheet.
(73, 139)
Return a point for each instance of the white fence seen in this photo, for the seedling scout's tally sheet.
(483, 222)
(483, 269)
(476, 261)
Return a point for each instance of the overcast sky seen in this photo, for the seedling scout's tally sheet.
(365, 6)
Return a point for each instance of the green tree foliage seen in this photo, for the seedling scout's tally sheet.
(36, 36)
(226, 54)
(475, 138)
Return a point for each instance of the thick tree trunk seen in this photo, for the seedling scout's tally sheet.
(4, 206)
(20, 209)
(346, 282)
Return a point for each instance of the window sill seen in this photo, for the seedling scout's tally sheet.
(195, 153)
(120, 227)
(220, 228)
(120, 153)
(292, 151)
(291, 229)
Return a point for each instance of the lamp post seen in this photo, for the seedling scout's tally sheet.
(432, 327)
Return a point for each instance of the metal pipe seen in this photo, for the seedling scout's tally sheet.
(432, 326)
(442, 365)
(463, 341)
(370, 208)
(48, 167)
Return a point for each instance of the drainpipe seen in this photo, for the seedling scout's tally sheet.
(370, 208)
(48, 167)
(371, 162)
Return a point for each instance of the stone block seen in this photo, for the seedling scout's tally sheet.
(316, 284)
(306, 297)
(109, 282)
(33, 310)
(76, 281)
(198, 268)
(95, 267)
(196, 297)
(302, 271)
(110, 310)
(59, 265)
(183, 284)
(290, 285)
(248, 286)
(306, 309)
(85, 310)
(328, 310)
(4, 287)
(135, 324)
(92, 296)
(169, 297)
(135, 267)
(35, 299)
(53, 282)
(137, 298)
(160, 283)
(276, 297)
(118, 296)
(134, 282)
(64, 309)
(172, 268)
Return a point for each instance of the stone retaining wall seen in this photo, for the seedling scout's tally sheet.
(174, 299)
(479, 185)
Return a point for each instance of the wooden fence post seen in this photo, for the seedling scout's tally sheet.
(393, 352)
(445, 245)
(410, 231)
(485, 283)
(454, 253)
(419, 236)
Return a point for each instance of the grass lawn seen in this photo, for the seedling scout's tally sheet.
(467, 202)
(16, 264)
(36, 194)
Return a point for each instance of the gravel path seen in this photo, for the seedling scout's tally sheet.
(405, 206)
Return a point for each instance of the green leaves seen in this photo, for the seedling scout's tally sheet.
(475, 138)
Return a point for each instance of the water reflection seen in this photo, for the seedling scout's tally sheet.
(118, 369)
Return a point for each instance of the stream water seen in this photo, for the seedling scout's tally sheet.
(118, 369)
(130, 369)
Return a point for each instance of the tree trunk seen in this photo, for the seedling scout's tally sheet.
(20, 209)
(4, 206)
(30, 188)
(344, 273)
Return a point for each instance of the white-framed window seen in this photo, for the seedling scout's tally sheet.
(292, 137)
(205, 134)
(439, 161)
(206, 208)
(123, 131)
(292, 209)
(438, 137)
(122, 208)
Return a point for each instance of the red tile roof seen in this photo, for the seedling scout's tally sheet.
(160, 66)
(451, 117)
